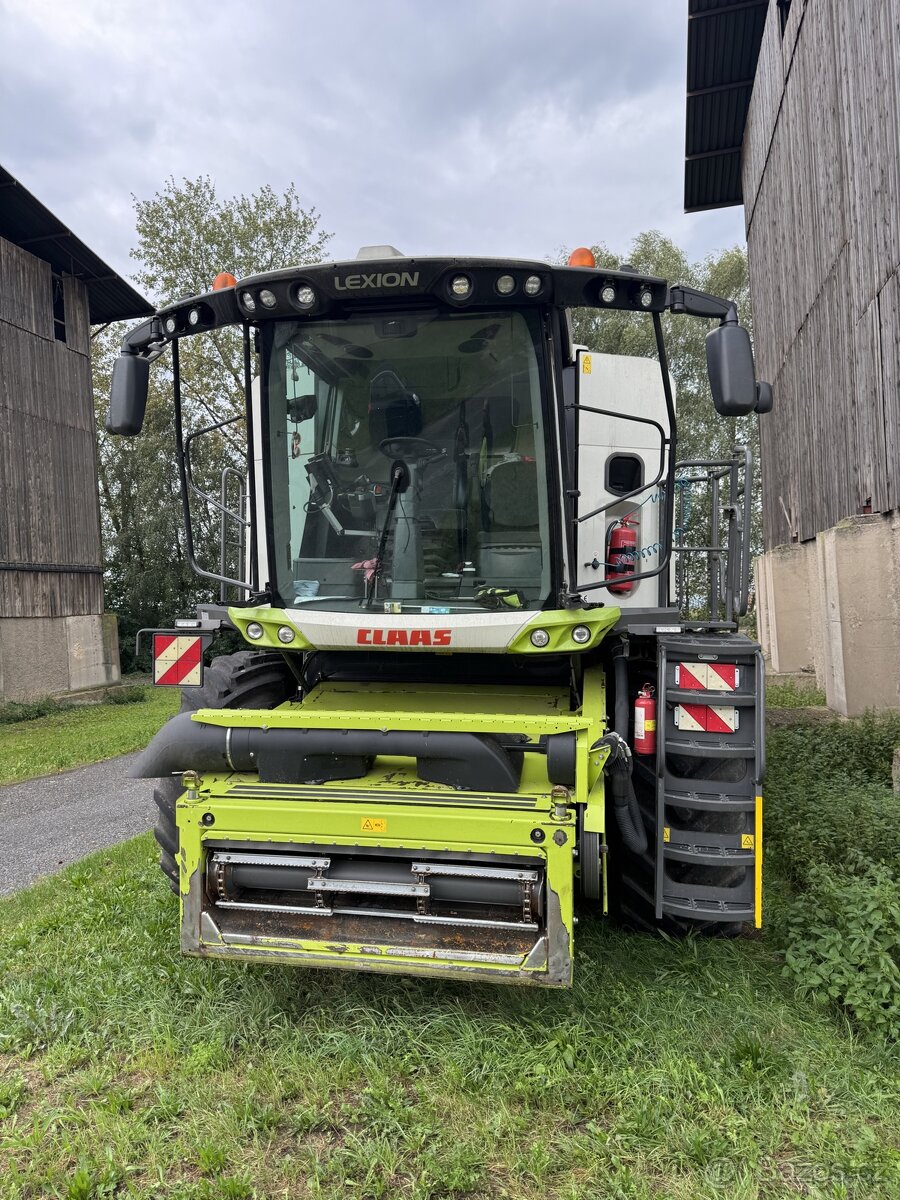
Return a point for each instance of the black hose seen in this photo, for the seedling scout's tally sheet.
(620, 667)
(468, 761)
(621, 790)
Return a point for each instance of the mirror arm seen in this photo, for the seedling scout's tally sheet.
(145, 340)
(701, 304)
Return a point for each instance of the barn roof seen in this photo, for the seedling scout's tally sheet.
(723, 47)
(28, 224)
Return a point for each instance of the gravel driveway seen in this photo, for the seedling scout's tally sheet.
(58, 819)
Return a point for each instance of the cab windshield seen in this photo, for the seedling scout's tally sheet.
(408, 462)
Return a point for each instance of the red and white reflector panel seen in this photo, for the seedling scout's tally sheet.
(722, 677)
(177, 661)
(690, 676)
(691, 718)
(721, 720)
(705, 718)
(707, 677)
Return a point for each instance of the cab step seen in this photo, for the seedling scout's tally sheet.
(710, 764)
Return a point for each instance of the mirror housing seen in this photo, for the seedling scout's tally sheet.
(302, 408)
(764, 396)
(732, 376)
(128, 395)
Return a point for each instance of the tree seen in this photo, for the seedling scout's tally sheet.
(186, 235)
(702, 433)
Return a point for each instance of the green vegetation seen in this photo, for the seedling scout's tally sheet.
(690, 1071)
(15, 711)
(73, 735)
(793, 695)
(133, 694)
(679, 1070)
(833, 824)
(186, 233)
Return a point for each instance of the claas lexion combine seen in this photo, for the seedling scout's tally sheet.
(474, 703)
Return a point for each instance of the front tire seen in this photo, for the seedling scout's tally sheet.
(247, 679)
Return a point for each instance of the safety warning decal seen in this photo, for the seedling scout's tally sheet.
(707, 677)
(705, 718)
(586, 364)
(373, 825)
(177, 661)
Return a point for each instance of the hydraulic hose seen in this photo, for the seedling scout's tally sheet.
(619, 768)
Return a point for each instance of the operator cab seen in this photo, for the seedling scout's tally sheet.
(408, 464)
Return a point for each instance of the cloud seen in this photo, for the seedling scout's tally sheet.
(511, 127)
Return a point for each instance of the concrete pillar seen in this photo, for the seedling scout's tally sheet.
(785, 619)
(45, 656)
(93, 651)
(859, 578)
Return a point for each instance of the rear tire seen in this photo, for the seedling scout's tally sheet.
(247, 679)
(633, 879)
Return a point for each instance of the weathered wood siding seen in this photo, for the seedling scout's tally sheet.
(50, 516)
(821, 181)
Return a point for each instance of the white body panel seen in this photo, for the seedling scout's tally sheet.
(473, 632)
(632, 387)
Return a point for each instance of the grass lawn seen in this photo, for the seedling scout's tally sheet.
(671, 1071)
(684, 1070)
(82, 734)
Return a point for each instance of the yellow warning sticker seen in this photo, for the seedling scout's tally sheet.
(373, 825)
(748, 841)
(586, 364)
(667, 833)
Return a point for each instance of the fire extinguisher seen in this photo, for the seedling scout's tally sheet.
(645, 721)
(621, 554)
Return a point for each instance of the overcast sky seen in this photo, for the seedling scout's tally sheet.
(509, 127)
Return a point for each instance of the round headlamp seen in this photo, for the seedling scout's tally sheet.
(461, 286)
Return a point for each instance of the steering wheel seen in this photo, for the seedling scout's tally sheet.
(410, 447)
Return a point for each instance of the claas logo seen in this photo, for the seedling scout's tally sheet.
(403, 637)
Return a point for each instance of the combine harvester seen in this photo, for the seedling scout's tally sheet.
(474, 699)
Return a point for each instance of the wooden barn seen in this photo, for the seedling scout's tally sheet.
(793, 110)
(54, 636)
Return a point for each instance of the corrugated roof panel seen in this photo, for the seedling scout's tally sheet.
(717, 120)
(723, 48)
(29, 224)
(719, 176)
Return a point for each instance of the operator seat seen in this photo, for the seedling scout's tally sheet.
(509, 549)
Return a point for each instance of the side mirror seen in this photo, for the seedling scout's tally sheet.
(128, 395)
(732, 377)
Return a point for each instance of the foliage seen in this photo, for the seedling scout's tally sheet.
(702, 433)
(844, 943)
(15, 711)
(186, 235)
(793, 695)
(194, 1077)
(131, 694)
(833, 833)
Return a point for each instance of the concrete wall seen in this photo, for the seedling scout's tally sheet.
(46, 656)
(832, 606)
